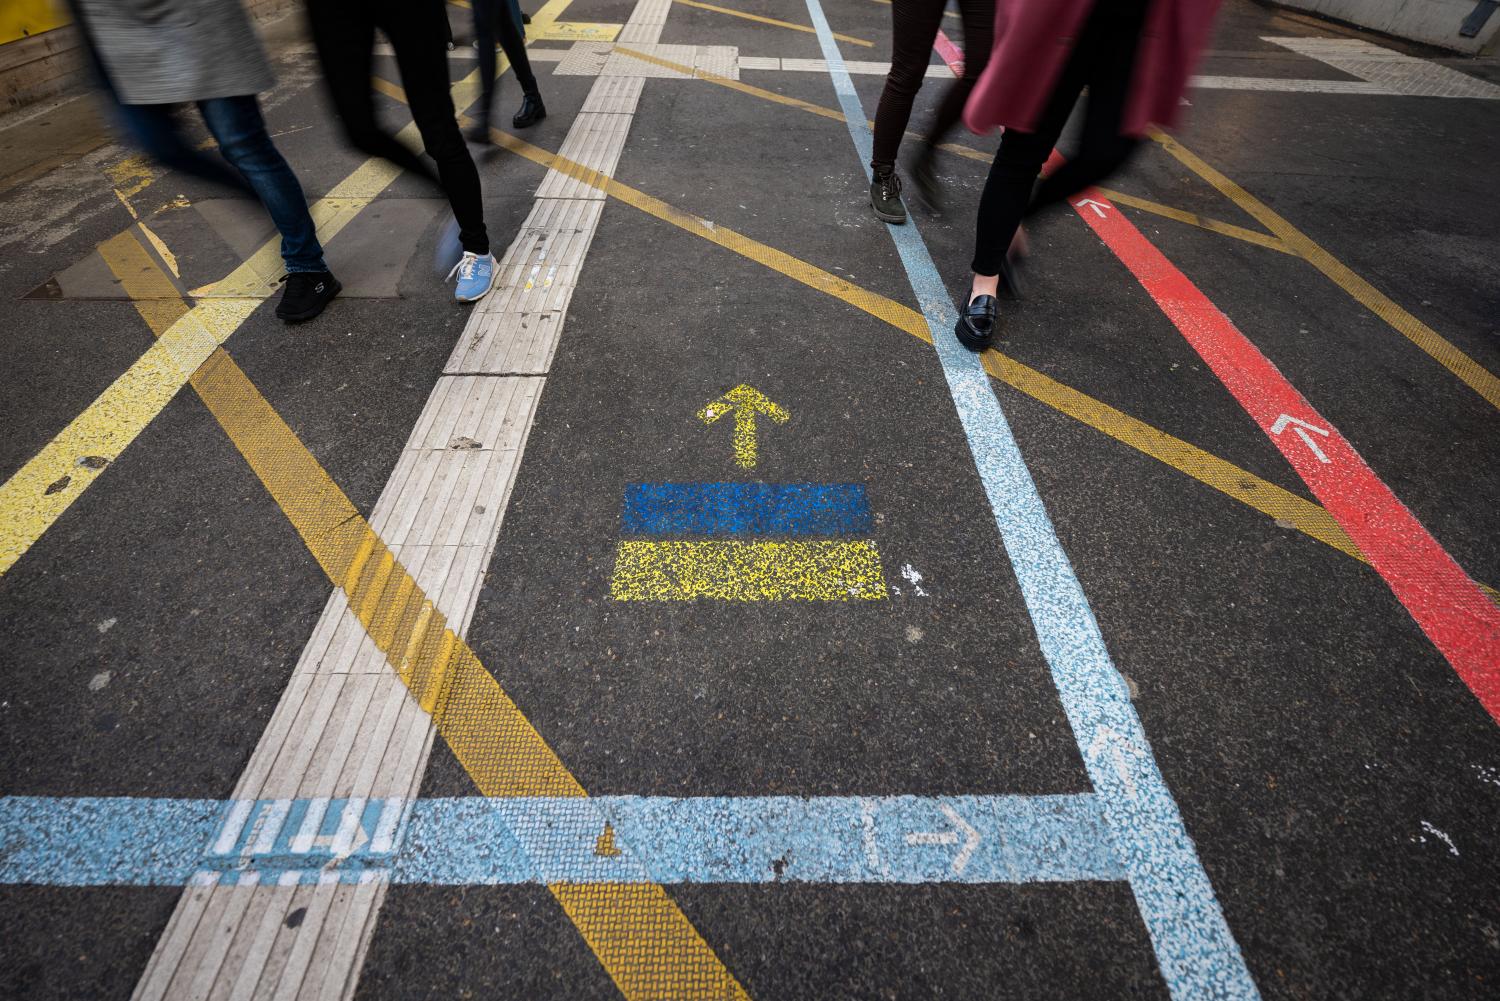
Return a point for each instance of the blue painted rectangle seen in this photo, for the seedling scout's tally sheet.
(746, 509)
(478, 841)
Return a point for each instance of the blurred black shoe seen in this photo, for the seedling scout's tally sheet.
(306, 294)
(924, 176)
(532, 110)
(479, 133)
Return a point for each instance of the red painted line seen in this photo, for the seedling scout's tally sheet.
(945, 48)
(1451, 609)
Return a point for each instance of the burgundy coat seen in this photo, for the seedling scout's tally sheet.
(1033, 39)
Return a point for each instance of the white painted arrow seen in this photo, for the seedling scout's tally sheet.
(971, 838)
(1302, 427)
(1117, 746)
(1098, 207)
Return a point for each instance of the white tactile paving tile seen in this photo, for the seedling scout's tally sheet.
(346, 727)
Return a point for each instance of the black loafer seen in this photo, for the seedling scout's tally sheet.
(976, 323)
(532, 110)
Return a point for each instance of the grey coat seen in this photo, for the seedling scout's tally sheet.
(166, 51)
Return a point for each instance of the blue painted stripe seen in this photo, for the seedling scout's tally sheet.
(1198, 955)
(746, 509)
(897, 839)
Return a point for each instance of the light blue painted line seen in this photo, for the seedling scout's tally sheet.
(1195, 949)
(746, 509)
(474, 841)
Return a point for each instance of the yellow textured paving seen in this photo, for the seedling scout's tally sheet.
(731, 570)
(643, 940)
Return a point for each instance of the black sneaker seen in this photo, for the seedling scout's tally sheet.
(532, 110)
(479, 133)
(924, 176)
(885, 195)
(305, 295)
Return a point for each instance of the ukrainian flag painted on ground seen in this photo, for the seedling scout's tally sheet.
(747, 569)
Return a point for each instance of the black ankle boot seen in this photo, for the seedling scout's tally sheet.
(532, 110)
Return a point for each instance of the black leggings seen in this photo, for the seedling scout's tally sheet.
(914, 27)
(496, 19)
(1102, 59)
(344, 33)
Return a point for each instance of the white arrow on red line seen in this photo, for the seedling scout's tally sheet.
(1098, 207)
(1302, 428)
(971, 838)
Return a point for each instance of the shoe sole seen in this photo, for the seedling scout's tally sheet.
(476, 298)
(888, 217)
(310, 314)
(526, 125)
(976, 344)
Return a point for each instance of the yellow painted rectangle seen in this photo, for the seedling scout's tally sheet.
(724, 570)
(576, 31)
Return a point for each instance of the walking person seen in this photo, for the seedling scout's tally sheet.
(502, 20)
(151, 57)
(344, 35)
(914, 28)
(1134, 56)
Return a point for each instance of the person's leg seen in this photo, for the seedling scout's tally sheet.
(513, 41)
(979, 31)
(153, 129)
(416, 30)
(485, 13)
(344, 35)
(914, 26)
(1102, 149)
(240, 131)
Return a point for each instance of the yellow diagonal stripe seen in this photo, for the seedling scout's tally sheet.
(1205, 467)
(642, 939)
(39, 492)
(746, 15)
(958, 149)
(1442, 350)
(731, 570)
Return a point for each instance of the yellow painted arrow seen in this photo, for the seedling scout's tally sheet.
(745, 401)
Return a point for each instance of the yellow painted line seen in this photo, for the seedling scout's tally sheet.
(643, 940)
(730, 570)
(576, 31)
(1445, 352)
(1275, 502)
(946, 13)
(37, 494)
(769, 20)
(1202, 222)
(1191, 218)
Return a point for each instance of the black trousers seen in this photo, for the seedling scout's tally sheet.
(344, 33)
(496, 20)
(914, 27)
(1103, 59)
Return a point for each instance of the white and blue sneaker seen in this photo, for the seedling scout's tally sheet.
(476, 276)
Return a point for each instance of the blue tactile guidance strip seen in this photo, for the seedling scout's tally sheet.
(746, 509)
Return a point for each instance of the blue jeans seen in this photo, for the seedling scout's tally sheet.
(237, 126)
